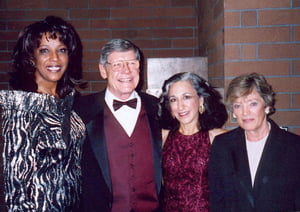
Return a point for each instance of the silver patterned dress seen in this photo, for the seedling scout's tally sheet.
(43, 139)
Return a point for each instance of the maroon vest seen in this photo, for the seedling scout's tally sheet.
(131, 165)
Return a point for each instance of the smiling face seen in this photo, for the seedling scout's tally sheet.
(51, 62)
(122, 80)
(250, 112)
(184, 103)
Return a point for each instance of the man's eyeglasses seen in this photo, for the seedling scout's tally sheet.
(119, 64)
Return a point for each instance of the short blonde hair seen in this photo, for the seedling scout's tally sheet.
(244, 85)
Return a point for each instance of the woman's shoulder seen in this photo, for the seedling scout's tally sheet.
(215, 132)
(34, 102)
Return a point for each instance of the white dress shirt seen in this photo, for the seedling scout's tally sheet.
(126, 116)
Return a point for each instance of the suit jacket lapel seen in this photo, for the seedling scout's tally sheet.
(95, 130)
(241, 166)
(268, 159)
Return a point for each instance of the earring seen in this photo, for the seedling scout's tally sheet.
(267, 111)
(201, 109)
(233, 115)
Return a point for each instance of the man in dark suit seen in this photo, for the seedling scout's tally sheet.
(121, 161)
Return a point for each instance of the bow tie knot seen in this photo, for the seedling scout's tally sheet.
(130, 103)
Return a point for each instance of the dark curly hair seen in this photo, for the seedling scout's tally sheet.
(215, 113)
(23, 78)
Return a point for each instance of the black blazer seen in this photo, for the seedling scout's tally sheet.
(96, 181)
(277, 181)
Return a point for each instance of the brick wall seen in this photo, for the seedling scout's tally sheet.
(237, 35)
(255, 36)
(161, 28)
(263, 36)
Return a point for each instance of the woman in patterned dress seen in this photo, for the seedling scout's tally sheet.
(198, 115)
(42, 135)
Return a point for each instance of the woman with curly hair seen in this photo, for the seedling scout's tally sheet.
(198, 115)
(43, 136)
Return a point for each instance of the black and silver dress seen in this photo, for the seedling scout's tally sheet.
(43, 139)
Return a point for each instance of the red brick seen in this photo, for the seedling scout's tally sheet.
(131, 12)
(279, 51)
(283, 101)
(185, 43)
(248, 52)
(217, 83)
(255, 4)
(286, 84)
(91, 55)
(3, 25)
(296, 67)
(218, 9)
(216, 55)
(6, 66)
(150, 22)
(184, 22)
(296, 3)
(94, 44)
(216, 70)
(91, 66)
(215, 41)
(232, 52)
(277, 17)
(296, 33)
(91, 76)
(3, 45)
(172, 53)
(249, 18)
(9, 35)
(12, 14)
(216, 26)
(152, 3)
(130, 34)
(79, 24)
(157, 43)
(108, 4)
(110, 23)
(296, 101)
(97, 86)
(232, 19)
(11, 44)
(17, 25)
(174, 12)
(171, 33)
(4, 86)
(4, 77)
(53, 4)
(183, 3)
(93, 34)
(19, 4)
(296, 130)
(263, 67)
(286, 118)
(90, 13)
(253, 35)
(41, 14)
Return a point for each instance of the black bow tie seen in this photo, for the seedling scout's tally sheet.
(118, 104)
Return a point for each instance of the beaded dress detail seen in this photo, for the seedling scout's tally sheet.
(185, 174)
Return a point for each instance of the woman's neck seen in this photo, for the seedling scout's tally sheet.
(51, 91)
(188, 130)
(256, 135)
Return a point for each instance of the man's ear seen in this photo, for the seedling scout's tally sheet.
(102, 71)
